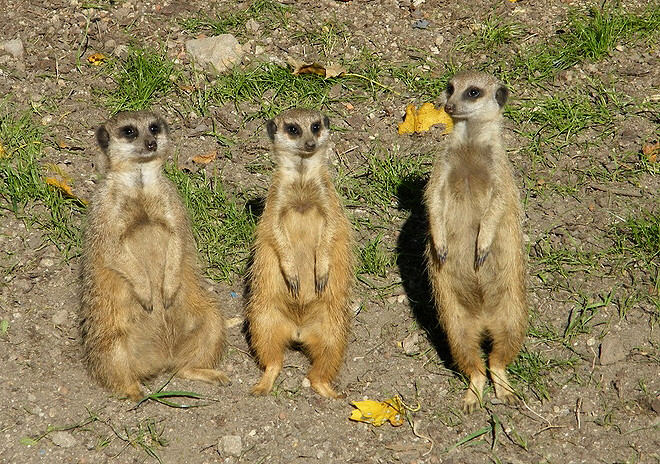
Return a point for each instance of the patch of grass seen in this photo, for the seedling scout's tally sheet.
(489, 35)
(22, 186)
(326, 38)
(426, 85)
(639, 237)
(589, 35)
(142, 77)
(268, 13)
(375, 259)
(385, 180)
(223, 227)
(268, 89)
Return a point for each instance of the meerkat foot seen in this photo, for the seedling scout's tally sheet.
(204, 375)
(503, 389)
(473, 397)
(134, 392)
(267, 380)
(441, 254)
(325, 390)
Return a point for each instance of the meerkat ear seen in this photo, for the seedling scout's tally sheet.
(502, 95)
(271, 127)
(326, 122)
(103, 137)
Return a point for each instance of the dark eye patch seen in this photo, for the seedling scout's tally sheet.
(155, 128)
(293, 129)
(316, 127)
(472, 92)
(450, 89)
(129, 132)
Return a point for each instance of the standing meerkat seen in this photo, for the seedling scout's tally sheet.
(302, 271)
(144, 310)
(475, 251)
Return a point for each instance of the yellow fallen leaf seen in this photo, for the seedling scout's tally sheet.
(96, 59)
(63, 187)
(3, 153)
(379, 412)
(423, 119)
(60, 185)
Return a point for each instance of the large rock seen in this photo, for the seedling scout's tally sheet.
(221, 52)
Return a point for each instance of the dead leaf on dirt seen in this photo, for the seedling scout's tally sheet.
(63, 187)
(3, 153)
(378, 412)
(423, 119)
(205, 159)
(331, 70)
(97, 59)
(650, 151)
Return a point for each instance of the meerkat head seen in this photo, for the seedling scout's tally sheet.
(134, 137)
(300, 132)
(474, 95)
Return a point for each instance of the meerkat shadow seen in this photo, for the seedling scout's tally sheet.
(254, 207)
(411, 262)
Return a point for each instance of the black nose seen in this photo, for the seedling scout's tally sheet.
(151, 144)
(310, 146)
(449, 108)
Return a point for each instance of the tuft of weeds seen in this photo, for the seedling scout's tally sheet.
(222, 226)
(375, 259)
(147, 436)
(143, 76)
(22, 186)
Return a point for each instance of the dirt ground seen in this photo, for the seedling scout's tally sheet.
(599, 396)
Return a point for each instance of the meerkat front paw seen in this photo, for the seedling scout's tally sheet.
(441, 253)
(481, 257)
(293, 284)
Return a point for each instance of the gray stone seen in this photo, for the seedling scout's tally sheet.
(612, 350)
(62, 439)
(232, 445)
(13, 47)
(60, 317)
(221, 51)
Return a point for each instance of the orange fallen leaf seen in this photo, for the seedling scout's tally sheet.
(650, 151)
(204, 159)
(423, 119)
(379, 412)
(97, 59)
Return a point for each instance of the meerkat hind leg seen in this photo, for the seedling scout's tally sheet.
(326, 353)
(465, 336)
(274, 339)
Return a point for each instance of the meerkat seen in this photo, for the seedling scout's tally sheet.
(475, 251)
(302, 269)
(144, 309)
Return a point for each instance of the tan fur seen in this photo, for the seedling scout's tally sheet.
(475, 252)
(144, 310)
(302, 271)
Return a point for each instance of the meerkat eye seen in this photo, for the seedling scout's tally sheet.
(450, 89)
(129, 132)
(292, 129)
(154, 129)
(473, 92)
(316, 127)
